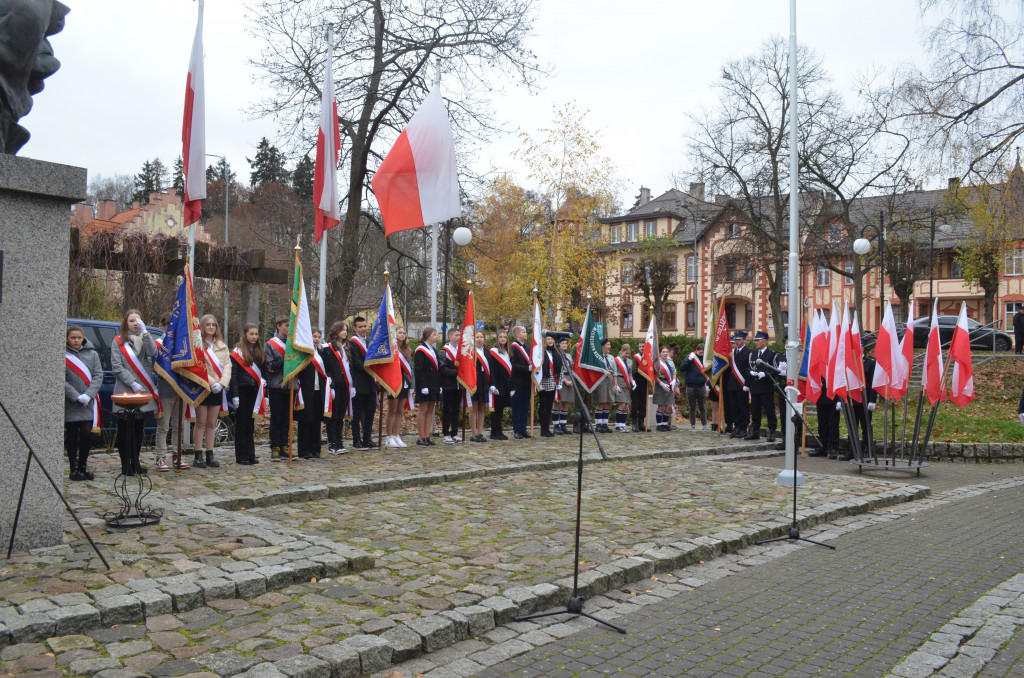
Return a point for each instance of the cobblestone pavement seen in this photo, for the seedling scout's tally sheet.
(929, 588)
(424, 536)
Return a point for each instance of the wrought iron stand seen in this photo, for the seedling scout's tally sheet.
(133, 487)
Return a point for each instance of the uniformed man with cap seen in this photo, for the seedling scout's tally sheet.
(736, 390)
(761, 388)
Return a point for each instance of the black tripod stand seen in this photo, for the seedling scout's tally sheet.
(798, 420)
(575, 605)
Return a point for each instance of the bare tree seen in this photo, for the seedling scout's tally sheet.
(383, 56)
(119, 188)
(967, 104)
(742, 149)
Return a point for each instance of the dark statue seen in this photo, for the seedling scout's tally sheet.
(26, 59)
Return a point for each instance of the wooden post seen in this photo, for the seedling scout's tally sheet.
(533, 390)
(181, 409)
(291, 414)
(380, 423)
(462, 410)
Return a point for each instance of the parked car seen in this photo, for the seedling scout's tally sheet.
(982, 336)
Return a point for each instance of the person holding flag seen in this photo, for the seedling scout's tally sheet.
(482, 395)
(451, 391)
(717, 356)
(667, 389)
(762, 390)
(364, 402)
(697, 387)
(466, 367)
(565, 394)
(299, 368)
(247, 391)
(383, 360)
(335, 355)
(645, 376)
(604, 394)
(83, 376)
(626, 383)
(280, 404)
(736, 390)
(500, 363)
(400, 402)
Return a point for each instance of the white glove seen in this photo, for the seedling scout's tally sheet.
(839, 406)
(425, 391)
(617, 390)
(747, 389)
(351, 393)
(871, 407)
(782, 366)
(664, 386)
(759, 375)
(494, 390)
(440, 389)
(707, 390)
(216, 387)
(137, 387)
(511, 393)
(234, 401)
(84, 399)
(142, 326)
(264, 383)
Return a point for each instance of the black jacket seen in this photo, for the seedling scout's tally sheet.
(483, 378)
(758, 385)
(521, 367)
(273, 368)
(363, 382)
(692, 375)
(241, 379)
(500, 377)
(556, 363)
(449, 372)
(741, 361)
(425, 373)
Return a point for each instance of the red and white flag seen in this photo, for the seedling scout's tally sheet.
(465, 360)
(417, 183)
(887, 357)
(649, 353)
(931, 378)
(328, 142)
(537, 344)
(962, 391)
(854, 361)
(836, 379)
(817, 364)
(906, 354)
(193, 132)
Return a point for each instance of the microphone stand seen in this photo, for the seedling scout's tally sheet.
(575, 606)
(797, 418)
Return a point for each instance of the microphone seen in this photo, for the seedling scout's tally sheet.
(773, 368)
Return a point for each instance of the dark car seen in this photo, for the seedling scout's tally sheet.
(100, 334)
(982, 336)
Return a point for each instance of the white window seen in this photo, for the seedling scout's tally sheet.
(616, 233)
(848, 278)
(1015, 262)
(650, 229)
(691, 268)
(627, 274)
(734, 230)
(631, 232)
(822, 277)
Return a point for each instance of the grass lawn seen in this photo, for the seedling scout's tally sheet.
(991, 418)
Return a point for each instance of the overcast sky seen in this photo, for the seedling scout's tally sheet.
(637, 67)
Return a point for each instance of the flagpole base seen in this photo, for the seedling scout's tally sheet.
(785, 478)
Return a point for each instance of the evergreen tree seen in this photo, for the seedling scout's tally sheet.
(268, 165)
(152, 179)
(302, 178)
(179, 176)
(215, 172)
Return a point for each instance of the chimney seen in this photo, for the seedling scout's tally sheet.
(721, 199)
(106, 210)
(697, 191)
(645, 195)
(954, 183)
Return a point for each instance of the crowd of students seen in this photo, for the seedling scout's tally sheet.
(335, 386)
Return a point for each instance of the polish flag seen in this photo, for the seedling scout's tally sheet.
(466, 358)
(906, 363)
(417, 183)
(537, 344)
(818, 365)
(649, 353)
(931, 379)
(328, 144)
(837, 361)
(960, 354)
(854, 360)
(887, 357)
(193, 132)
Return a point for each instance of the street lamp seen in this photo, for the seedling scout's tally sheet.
(224, 168)
(462, 236)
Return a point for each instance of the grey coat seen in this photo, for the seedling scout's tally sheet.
(74, 386)
(123, 373)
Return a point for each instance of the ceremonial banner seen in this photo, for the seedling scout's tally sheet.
(805, 363)
(328, 142)
(180, 362)
(836, 381)
(465, 361)
(298, 349)
(417, 183)
(887, 357)
(960, 354)
(588, 363)
(932, 377)
(649, 354)
(382, 360)
(537, 344)
(193, 132)
(854, 361)
(722, 349)
(907, 353)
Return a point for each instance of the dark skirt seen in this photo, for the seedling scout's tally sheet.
(210, 400)
(428, 398)
(482, 396)
(404, 393)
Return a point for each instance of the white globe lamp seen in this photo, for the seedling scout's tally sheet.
(462, 236)
(861, 246)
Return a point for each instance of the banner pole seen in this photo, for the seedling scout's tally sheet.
(380, 421)
(322, 302)
(291, 414)
(533, 389)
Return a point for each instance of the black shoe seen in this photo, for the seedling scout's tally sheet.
(199, 462)
(780, 447)
(818, 453)
(210, 461)
(547, 434)
(848, 457)
(728, 428)
(714, 428)
(752, 436)
(496, 436)
(737, 433)
(771, 436)
(422, 443)
(520, 436)
(833, 453)
(358, 446)
(86, 473)
(76, 475)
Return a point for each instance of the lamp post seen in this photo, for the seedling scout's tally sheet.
(462, 236)
(224, 168)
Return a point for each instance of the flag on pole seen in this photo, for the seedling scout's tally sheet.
(588, 363)
(887, 357)
(181, 361)
(931, 377)
(537, 343)
(298, 349)
(817, 368)
(721, 348)
(328, 143)
(193, 131)
(417, 183)
(465, 360)
(382, 358)
(906, 362)
(802, 383)
(837, 360)
(649, 353)
(854, 360)
(960, 354)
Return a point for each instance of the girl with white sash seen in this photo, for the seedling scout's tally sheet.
(500, 363)
(400, 402)
(427, 377)
(336, 361)
(482, 397)
(247, 391)
(667, 389)
(83, 376)
(215, 404)
(132, 353)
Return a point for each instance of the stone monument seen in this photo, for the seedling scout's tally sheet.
(35, 200)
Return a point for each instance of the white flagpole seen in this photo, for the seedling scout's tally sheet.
(433, 276)
(322, 290)
(192, 251)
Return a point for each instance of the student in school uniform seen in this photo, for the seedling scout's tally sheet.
(83, 376)
(427, 377)
(247, 391)
(481, 400)
(132, 353)
(397, 404)
(336, 362)
(500, 363)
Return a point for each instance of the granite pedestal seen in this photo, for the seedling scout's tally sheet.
(35, 201)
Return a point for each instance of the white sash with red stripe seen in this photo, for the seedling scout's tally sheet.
(624, 372)
(736, 372)
(343, 361)
(429, 353)
(407, 372)
(259, 408)
(133, 361)
(277, 345)
(452, 352)
(214, 362)
(74, 364)
(504, 359)
(487, 369)
(359, 340)
(522, 351)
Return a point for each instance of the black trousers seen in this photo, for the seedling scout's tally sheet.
(862, 420)
(762, 403)
(520, 408)
(130, 434)
(245, 446)
(547, 400)
(336, 422)
(638, 405)
(696, 399)
(363, 407)
(828, 422)
(739, 408)
(498, 415)
(77, 437)
(451, 406)
(279, 405)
